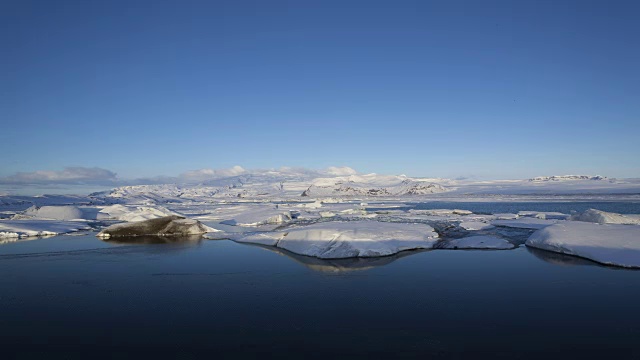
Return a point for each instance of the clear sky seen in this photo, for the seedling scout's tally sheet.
(493, 89)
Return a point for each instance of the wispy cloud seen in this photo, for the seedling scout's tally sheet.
(70, 175)
(70, 178)
(207, 174)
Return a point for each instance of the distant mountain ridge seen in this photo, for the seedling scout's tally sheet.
(569, 178)
(286, 184)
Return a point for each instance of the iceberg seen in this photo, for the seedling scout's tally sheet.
(475, 225)
(133, 213)
(617, 245)
(65, 212)
(164, 226)
(17, 229)
(603, 217)
(337, 239)
(261, 216)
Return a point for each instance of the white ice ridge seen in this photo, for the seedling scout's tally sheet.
(607, 244)
(334, 240)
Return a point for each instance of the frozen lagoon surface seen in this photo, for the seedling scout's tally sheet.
(80, 296)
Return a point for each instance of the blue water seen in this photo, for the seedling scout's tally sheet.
(514, 207)
(76, 296)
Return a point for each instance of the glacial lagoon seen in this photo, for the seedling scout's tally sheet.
(81, 296)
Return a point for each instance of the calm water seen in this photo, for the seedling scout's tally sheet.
(626, 207)
(78, 296)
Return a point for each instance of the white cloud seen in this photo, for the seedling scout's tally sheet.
(207, 174)
(70, 175)
(340, 171)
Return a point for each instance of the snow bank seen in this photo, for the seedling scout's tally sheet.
(477, 242)
(607, 244)
(28, 228)
(164, 226)
(603, 217)
(334, 240)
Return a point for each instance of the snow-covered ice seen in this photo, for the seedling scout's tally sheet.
(551, 215)
(440, 212)
(603, 217)
(64, 212)
(475, 225)
(607, 244)
(337, 239)
(133, 213)
(27, 228)
(261, 216)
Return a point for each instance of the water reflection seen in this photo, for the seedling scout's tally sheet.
(154, 239)
(560, 259)
(13, 240)
(338, 265)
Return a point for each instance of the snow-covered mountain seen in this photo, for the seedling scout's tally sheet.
(372, 185)
(570, 178)
(271, 184)
(296, 184)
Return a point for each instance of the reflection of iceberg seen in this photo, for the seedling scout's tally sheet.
(339, 265)
(560, 259)
(11, 240)
(152, 239)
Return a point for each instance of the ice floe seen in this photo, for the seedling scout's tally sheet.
(475, 225)
(544, 215)
(64, 212)
(337, 239)
(26, 228)
(603, 217)
(440, 212)
(607, 244)
(133, 213)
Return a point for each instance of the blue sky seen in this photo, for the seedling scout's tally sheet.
(493, 89)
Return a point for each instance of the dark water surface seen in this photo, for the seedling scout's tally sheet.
(79, 297)
(566, 207)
